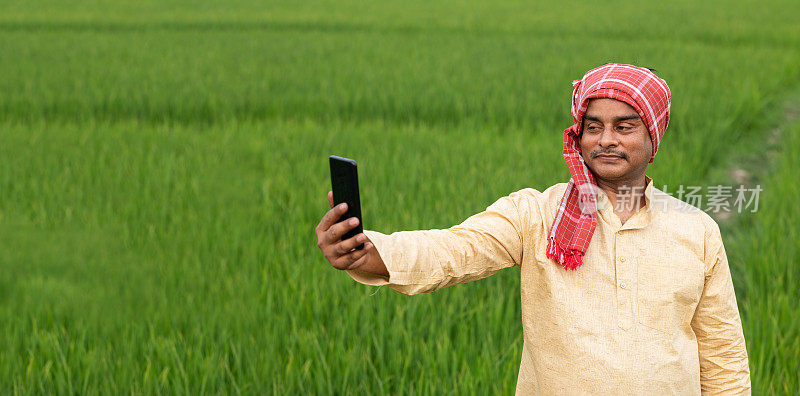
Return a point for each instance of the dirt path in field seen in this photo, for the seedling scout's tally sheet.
(751, 169)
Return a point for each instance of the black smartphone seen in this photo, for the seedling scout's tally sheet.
(344, 179)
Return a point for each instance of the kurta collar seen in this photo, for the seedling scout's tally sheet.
(640, 219)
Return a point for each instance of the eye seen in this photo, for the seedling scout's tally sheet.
(592, 128)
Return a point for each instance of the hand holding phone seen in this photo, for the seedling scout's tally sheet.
(343, 252)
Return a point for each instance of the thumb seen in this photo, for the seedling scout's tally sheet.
(330, 198)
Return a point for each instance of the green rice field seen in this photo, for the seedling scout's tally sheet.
(164, 163)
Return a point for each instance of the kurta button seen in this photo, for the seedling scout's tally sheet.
(623, 285)
(622, 259)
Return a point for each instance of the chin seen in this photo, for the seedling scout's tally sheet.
(606, 172)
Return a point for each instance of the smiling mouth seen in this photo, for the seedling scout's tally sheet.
(609, 156)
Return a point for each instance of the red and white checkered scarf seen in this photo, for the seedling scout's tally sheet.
(576, 219)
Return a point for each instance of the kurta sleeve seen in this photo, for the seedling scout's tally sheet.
(427, 260)
(724, 367)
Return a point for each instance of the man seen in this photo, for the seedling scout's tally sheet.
(624, 288)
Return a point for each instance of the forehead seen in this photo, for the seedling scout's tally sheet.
(609, 107)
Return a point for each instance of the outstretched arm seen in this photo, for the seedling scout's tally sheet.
(428, 260)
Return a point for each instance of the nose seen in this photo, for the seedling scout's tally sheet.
(608, 138)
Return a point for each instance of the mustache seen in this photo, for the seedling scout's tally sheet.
(595, 153)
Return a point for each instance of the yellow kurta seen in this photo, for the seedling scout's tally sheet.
(652, 309)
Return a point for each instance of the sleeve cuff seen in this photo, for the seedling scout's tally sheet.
(369, 278)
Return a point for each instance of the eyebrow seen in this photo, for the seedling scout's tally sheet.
(616, 119)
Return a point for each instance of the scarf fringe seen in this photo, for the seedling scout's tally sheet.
(568, 258)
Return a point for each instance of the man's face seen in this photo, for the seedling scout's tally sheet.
(615, 143)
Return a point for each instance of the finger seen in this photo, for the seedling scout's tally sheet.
(336, 231)
(348, 259)
(350, 243)
(331, 216)
(363, 260)
(330, 198)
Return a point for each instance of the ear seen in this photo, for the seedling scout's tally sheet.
(652, 148)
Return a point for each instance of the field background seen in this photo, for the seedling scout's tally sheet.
(163, 166)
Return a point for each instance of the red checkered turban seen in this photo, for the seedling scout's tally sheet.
(576, 217)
